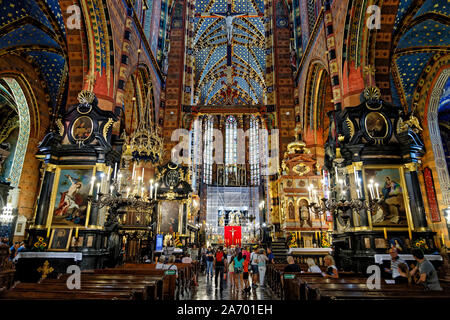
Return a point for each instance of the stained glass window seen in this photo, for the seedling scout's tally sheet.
(231, 148)
(254, 151)
(208, 152)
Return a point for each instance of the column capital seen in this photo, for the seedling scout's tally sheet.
(412, 166)
(50, 167)
(358, 165)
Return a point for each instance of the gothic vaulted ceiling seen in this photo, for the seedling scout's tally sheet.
(229, 52)
(420, 32)
(35, 29)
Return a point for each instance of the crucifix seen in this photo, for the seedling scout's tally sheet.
(232, 235)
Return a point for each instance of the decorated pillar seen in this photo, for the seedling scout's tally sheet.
(415, 197)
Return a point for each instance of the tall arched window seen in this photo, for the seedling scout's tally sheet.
(148, 19)
(231, 149)
(254, 151)
(208, 152)
(195, 151)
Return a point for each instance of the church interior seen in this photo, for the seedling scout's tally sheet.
(224, 150)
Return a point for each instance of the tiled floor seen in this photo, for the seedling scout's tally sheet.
(206, 290)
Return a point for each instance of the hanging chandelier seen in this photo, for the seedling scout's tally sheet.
(146, 142)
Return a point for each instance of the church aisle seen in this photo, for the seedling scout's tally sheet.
(206, 290)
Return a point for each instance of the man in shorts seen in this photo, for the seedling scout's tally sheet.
(254, 267)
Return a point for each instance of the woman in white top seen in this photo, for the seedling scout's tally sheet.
(312, 266)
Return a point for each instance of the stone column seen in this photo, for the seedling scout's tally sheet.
(416, 205)
(43, 203)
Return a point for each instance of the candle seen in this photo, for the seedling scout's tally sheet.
(409, 233)
(134, 168)
(376, 188)
(76, 233)
(102, 180)
(111, 189)
(143, 169)
(151, 189)
(128, 191)
(98, 188)
(109, 173)
(142, 192)
(119, 181)
(358, 193)
(115, 170)
(337, 175)
(385, 233)
(48, 232)
(356, 174)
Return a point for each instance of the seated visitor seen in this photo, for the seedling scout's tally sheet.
(186, 259)
(332, 271)
(427, 272)
(292, 266)
(161, 261)
(404, 277)
(395, 261)
(312, 267)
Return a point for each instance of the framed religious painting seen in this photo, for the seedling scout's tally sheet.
(169, 216)
(69, 202)
(60, 239)
(387, 184)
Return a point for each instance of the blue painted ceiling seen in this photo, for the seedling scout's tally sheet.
(35, 29)
(248, 52)
(426, 35)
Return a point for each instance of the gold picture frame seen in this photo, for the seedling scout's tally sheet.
(88, 190)
(79, 130)
(388, 169)
(60, 239)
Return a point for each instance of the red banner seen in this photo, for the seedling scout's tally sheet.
(431, 195)
(233, 235)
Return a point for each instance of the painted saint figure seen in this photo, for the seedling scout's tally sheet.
(71, 203)
(393, 199)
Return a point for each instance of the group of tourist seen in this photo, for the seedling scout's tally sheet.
(15, 249)
(330, 272)
(423, 273)
(237, 266)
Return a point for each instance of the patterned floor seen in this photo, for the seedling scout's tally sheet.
(206, 290)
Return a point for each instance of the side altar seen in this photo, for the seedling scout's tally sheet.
(372, 158)
(300, 188)
(79, 158)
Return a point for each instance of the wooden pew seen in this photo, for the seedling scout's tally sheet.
(119, 274)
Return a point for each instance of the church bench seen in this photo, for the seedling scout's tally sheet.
(169, 281)
(141, 291)
(383, 295)
(164, 283)
(66, 295)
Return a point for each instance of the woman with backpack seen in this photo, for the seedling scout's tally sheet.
(238, 269)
